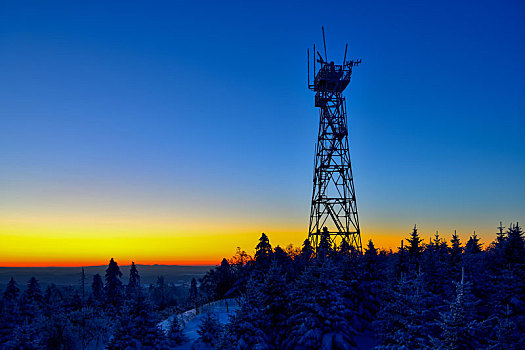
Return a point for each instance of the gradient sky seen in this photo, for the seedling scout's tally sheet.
(173, 132)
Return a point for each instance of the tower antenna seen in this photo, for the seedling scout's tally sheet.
(308, 65)
(324, 43)
(333, 209)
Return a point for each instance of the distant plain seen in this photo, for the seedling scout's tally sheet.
(71, 276)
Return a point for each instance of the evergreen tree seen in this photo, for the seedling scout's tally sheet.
(322, 314)
(225, 281)
(435, 263)
(514, 246)
(25, 337)
(476, 265)
(32, 301)
(370, 250)
(53, 300)
(138, 328)
(324, 249)
(500, 236)
(246, 329)
(273, 303)
(11, 292)
(263, 252)
(461, 330)
(76, 302)
(113, 287)
(414, 247)
(175, 334)
(133, 286)
(473, 246)
(90, 327)
(210, 331)
(402, 261)
(508, 335)
(406, 320)
(455, 250)
(97, 287)
(307, 252)
(345, 251)
(57, 333)
(368, 286)
(9, 311)
(160, 293)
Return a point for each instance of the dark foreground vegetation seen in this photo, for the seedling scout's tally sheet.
(439, 295)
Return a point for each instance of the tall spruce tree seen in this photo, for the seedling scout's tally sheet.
(138, 328)
(461, 329)
(324, 249)
(32, 306)
(514, 246)
(307, 252)
(322, 314)
(97, 288)
(414, 248)
(9, 311)
(133, 287)
(113, 287)
(473, 246)
(175, 333)
(210, 331)
(455, 250)
(263, 252)
(406, 319)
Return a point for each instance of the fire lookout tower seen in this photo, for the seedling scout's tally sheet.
(334, 207)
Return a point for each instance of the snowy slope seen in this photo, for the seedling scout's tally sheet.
(191, 322)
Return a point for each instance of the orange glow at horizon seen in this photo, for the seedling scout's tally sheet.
(33, 243)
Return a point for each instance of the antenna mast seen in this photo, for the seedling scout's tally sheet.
(333, 207)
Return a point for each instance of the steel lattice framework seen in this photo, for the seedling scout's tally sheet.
(334, 207)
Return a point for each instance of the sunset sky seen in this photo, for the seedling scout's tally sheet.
(171, 132)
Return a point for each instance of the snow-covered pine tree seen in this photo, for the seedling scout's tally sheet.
(460, 327)
(32, 301)
(210, 332)
(406, 319)
(321, 317)
(261, 322)
(435, 263)
(97, 288)
(113, 287)
(53, 300)
(514, 246)
(263, 252)
(138, 327)
(9, 311)
(133, 287)
(175, 334)
(414, 249)
(224, 279)
(324, 250)
(455, 253)
(245, 329)
(476, 264)
(57, 332)
(509, 336)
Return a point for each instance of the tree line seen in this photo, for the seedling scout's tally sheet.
(435, 295)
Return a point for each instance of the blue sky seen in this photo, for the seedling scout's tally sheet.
(200, 111)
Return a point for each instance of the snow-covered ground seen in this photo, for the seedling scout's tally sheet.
(191, 322)
(223, 309)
